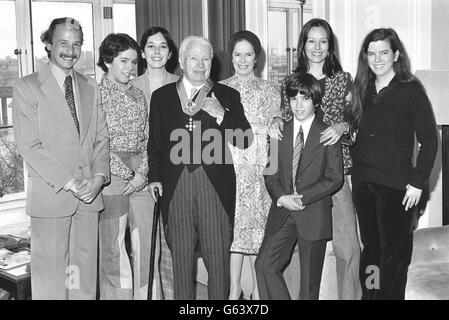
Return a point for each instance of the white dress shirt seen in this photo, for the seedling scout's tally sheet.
(306, 124)
(188, 87)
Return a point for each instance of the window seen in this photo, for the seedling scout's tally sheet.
(45, 11)
(284, 21)
(11, 164)
(124, 16)
(21, 25)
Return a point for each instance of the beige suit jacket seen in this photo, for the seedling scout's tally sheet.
(49, 143)
(143, 84)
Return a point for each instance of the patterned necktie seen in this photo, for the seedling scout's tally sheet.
(69, 97)
(297, 152)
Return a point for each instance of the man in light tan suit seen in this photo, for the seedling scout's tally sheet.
(62, 136)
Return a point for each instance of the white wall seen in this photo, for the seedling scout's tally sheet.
(352, 20)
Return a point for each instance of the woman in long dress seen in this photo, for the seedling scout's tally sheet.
(261, 101)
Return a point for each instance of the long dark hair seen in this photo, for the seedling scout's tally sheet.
(172, 61)
(364, 74)
(331, 64)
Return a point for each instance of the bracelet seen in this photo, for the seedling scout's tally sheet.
(346, 126)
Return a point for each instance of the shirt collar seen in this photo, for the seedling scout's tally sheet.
(304, 123)
(60, 74)
(188, 86)
(107, 83)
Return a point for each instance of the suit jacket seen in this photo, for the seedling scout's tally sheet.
(142, 83)
(49, 142)
(320, 174)
(166, 115)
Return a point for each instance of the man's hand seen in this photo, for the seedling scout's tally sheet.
(152, 188)
(412, 196)
(90, 188)
(332, 134)
(291, 202)
(276, 127)
(76, 188)
(136, 184)
(213, 107)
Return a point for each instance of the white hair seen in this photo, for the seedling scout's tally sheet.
(190, 40)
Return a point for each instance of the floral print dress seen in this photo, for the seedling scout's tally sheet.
(261, 101)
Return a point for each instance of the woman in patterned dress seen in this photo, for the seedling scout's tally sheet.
(158, 50)
(316, 55)
(260, 100)
(126, 197)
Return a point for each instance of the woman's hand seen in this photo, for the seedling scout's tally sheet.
(136, 184)
(332, 134)
(412, 196)
(275, 130)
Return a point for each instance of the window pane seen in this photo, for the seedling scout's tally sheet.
(277, 44)
(44, 12)
(11, 164)
(124, 15)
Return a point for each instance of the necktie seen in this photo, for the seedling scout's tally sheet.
(69, 97)
(297, 152)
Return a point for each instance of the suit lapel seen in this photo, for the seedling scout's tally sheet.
(286, 150)
(56, 99)
(311, 147)
(85, 96)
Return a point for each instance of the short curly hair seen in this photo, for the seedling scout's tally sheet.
(112, 45)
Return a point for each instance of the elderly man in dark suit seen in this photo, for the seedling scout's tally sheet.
(301, 188)
(191, 123)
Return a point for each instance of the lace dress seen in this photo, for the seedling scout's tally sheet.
(261, 101)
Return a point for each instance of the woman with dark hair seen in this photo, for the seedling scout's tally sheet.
(158, 50)
(126, 199)
(316, 56)
(389, 108)
(260, 100)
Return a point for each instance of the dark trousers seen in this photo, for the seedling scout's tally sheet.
(387, 236)
(274, 255)
(196, 214)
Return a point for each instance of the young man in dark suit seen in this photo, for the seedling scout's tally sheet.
(307, 174)
(196, 181)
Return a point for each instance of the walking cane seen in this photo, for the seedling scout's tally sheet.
(153, 243)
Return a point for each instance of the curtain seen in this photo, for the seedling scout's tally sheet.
(184, 17)
(180, 17)
(225, 18)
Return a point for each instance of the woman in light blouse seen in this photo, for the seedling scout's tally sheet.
(126, 199)
(158, 50)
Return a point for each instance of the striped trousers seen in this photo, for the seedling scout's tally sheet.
(197, 215)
